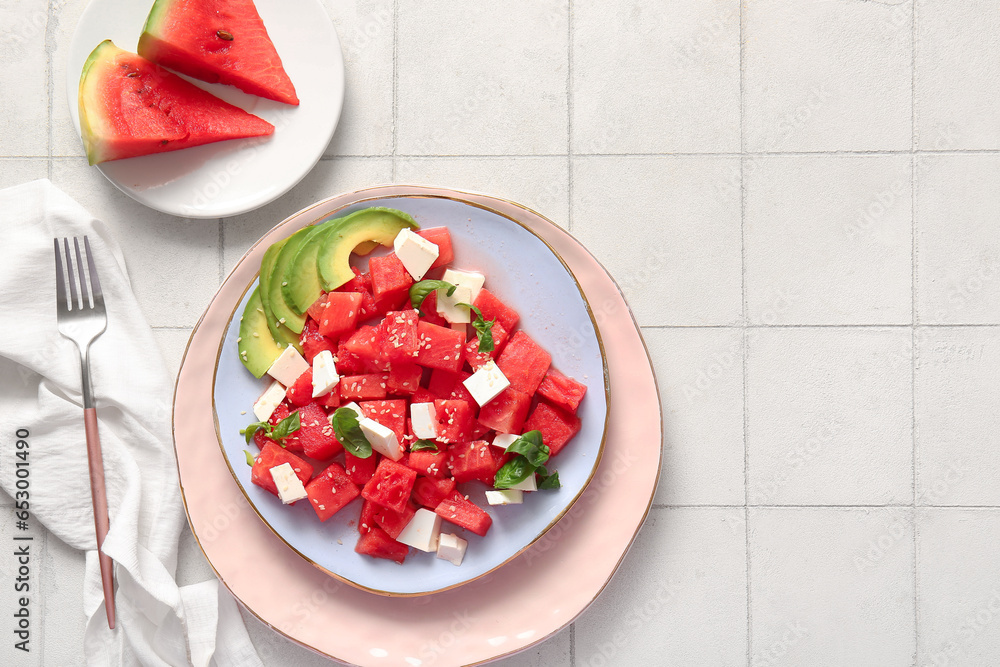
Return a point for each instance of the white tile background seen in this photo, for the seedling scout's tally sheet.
(801, 200)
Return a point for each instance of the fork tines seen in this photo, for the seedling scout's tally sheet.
(88, 296)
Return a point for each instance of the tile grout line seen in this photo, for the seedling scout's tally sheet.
(744, 336)
(569, 116)
(395, 87)
(49, 139)
(50, 88)
(913, 313)
(222, 250)
(569, 201)
(479, 156)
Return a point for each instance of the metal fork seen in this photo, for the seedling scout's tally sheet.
(82, 318)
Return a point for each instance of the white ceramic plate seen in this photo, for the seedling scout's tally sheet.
(524, 272)
(229, 177)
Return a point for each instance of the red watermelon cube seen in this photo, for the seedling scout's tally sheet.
(397, 336)
(283, 410)
(493, 308)
(347, 362)
(478, 359)
(464, 513)
(471, 460)
(390, 413)
(363, 343)
(448, 385)
(404, 379)
(331, 491)
(340, 314)
(391, 521)
(506, 412)
(422, 395)
(315, 436)
(363, 387)
(441, 237)
(313, 342)
(557, 426)
(367, 519)
(300, 393)
(390, 282)
(362, 284)
(430, 314)
(562, 391)
(428, 463)
(430, 492)
(524, 363)
(377, 543)
(454, 419)
(391, 485)
(271, 456)
(358, 469)
(440, 347)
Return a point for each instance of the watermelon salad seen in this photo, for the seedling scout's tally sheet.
(406, 384)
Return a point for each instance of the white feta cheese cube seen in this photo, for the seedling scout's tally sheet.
(451, 548)
(422, 531)
(325, 376)
(505, 497)
(486, 383)
(289, 365)
(461, 327)
(423, 416)
(268, 401)
(382, 438)
(529, 484)
(474, 281)
(504, 440)
(415, 252)
(289, 485)
(448, 308)
(354, 406)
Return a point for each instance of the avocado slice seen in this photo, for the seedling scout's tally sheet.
(279, 331)
(257, 348)
(377, 224)
(301, 285)
(280, 307)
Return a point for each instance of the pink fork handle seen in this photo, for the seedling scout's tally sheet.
(100, 498)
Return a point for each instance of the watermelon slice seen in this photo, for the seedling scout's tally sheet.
(131, 107)
(219, 41)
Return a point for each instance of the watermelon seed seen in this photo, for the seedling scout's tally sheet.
(224, 34)
(132, 75)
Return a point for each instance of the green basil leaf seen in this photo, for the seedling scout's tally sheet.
(513, 472)
(421, 290)
(530, 447)
(286, 426)
(252, 428)
(424, 445)
(549, 481)
(349, 433)
(484, 329)
(249, 458)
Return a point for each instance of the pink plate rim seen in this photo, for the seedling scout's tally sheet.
(529, 599)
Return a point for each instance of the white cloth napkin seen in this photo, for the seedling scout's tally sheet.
(158, 622)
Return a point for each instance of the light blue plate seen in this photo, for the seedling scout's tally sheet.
(525, 273)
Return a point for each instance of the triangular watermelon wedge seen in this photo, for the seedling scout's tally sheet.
(130, 107)
(218, 41)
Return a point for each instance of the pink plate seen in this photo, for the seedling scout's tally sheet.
(522, 603)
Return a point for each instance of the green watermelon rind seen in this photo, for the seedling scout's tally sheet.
(86, 126)
(157, 12)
